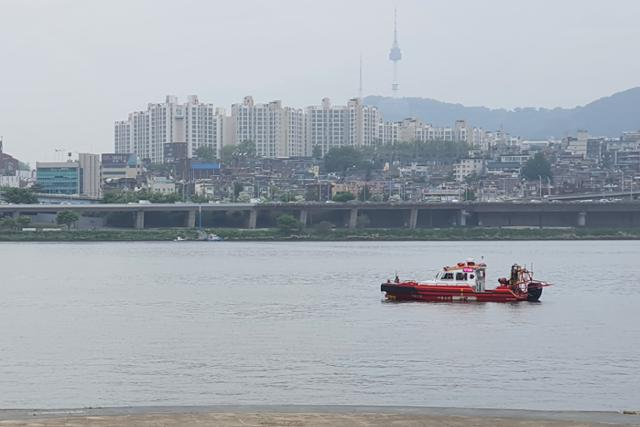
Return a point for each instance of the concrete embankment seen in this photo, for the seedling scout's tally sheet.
(310, 416)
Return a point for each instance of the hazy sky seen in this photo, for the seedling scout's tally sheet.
(69, 69)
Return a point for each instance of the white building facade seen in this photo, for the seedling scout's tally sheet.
(353, 124)
(144, 133)
(414, 130)
(276, 131)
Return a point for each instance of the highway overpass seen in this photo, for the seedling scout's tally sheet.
(611, 195)
(348, 215)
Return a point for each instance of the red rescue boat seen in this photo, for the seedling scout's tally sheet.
(465, 282)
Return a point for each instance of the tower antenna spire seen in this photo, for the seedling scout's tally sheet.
(360, 79)
(395, 54)
(395, 26)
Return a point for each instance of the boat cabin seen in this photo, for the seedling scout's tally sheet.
(464, 273)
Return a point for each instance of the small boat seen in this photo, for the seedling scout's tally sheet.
(211, 237)
(465, 282)
(214, 238)
(180, 239)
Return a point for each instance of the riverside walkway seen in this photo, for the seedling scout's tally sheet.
(310, 416)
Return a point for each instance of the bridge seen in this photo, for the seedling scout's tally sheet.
(597, 196)
(343, 215)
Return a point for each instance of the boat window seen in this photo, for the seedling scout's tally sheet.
(461, 276)
(447, 276)
(471, 276)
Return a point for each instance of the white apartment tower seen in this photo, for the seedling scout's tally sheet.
(414, 130)
(204, 126)
(296, 133)
(122, 137)
(145, 132)
(276, 131)
(353, 124)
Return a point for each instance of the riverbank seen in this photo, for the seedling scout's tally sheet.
(310, 416)
(442, 234)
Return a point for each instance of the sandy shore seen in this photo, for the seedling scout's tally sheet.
(311, 416)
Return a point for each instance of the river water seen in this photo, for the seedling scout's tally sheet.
(116, 324)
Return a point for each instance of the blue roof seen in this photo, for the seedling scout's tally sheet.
(205, 166)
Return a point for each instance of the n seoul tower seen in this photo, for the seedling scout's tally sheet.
(395, 54)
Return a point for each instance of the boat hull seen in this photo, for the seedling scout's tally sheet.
(416, 292)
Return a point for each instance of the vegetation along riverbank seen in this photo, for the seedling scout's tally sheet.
(275, 234)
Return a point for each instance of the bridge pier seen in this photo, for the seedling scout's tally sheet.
(353, 218)
(303, 217)
(413, 218)
(191, 219)
(139, 220)
(253, 218)
(463, 218)
(582, 219)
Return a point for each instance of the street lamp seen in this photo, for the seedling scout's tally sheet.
(540, 185)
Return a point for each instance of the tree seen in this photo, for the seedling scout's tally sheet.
(237, 189)
(342, 158)
(469, 195)
(67, 218)
(287, 223)
(364, 194)
(241, 153)
(198, 198)
(246, 149)
(316, 152)
(226, 155)
(135, 196)
(537, 167)
(23, 220)
(19, 196)
(343, 196)
(311, 194)
(206, 153)
(8, 222)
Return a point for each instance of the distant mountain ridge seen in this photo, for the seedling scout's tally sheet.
(609, 116)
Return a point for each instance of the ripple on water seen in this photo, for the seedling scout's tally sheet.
(139, 324)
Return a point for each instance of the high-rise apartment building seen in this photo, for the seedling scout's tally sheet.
(296, 133)
(122, 136)
(353, 124)
(144, 133)
(276, 131)
(414, 130)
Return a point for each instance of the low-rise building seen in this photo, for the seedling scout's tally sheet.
(202, 170)
(467, 167)
(58, 177)
(120, 170)
(158, 184)
(9, 165)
